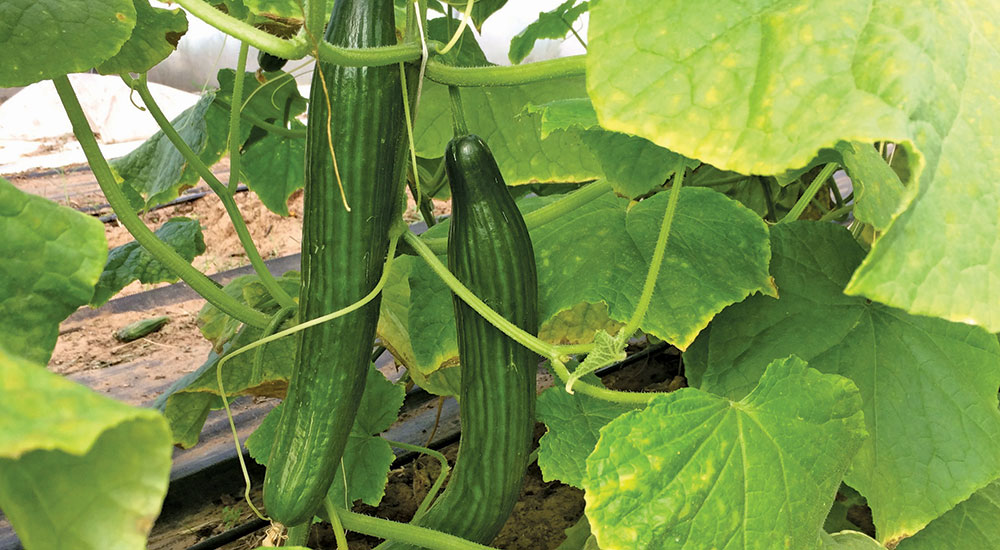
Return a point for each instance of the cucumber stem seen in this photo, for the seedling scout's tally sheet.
(406, 533)
(228, 202)
(810, 192)
(513, 75)
(234, 118)
(457, 114)
(658, 252)
(201, 284)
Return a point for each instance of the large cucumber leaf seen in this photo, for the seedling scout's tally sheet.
(760, 88)
(971, 524)
(52, 257)
(907, 368)
(694, 470)
(157, 32)
(77, 470)
(43, 39)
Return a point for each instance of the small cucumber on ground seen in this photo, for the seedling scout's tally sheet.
(489, 250)
(138, 329)
(342, 257)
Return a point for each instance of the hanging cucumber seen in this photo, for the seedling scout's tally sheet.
(342, 257)
(489, 250)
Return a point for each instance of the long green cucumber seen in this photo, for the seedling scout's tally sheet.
(342, 257)
(489, 250)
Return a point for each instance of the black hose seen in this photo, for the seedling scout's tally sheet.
(234, 534)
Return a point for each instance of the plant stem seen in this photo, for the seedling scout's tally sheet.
(234, 118)
(298, 535)
(410, 534)
(836, 213)
(658, 252)
(298, 47)
(457, 114)
(433, 491)
(537, 218)
(160, 250)
(600, 392)
(527, 340)
(814, 187)
(315, 16)
(506, 75)
(338, 527)
(228, 202)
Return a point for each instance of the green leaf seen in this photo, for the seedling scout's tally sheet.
(187, 402)
(572, 423)
(43, 39)
(77, 470)
(367, 457)
(971, 524)
(849, 540)
(480, 11)
(276, 100)
(156, 169)
(131, 261)
(156, 34)
(878, 193)
(600, 255)
(52, 257)
(633, 165)
(607, 349)
(495, 114)
(907, 368)
(554, 24)
(761, 88)
(273, 168)
(695, 471)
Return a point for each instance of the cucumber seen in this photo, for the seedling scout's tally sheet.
(343, 254)
(270, 62)
(138, 329)
(489, 250)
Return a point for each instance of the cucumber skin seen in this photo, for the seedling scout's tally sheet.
(489, 250)
(343, 255)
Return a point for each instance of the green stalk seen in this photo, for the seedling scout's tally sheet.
(298, 535)
(403, 532)
(239, 225)
(537, 218)
(600, 392)
(300, 46)
(836, 213)
(529, 341)
(201, 284)
(457, 114)
(234, 118)
(506, 75)
(814, 187)
(338, 527)
(658, 252)
(315, 14)
(433, 491)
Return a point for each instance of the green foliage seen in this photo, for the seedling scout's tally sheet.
(634, 166)
(130, 261)
(907, 368)
(367, 456)
(971, 524)
(155, 36)
(52, 256)
(77, 35)
(694, 470)
(573, 424)
(878, 193)
(272, 168)
(71, 459)
(555, 24)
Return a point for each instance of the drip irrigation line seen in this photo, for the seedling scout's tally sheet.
(232, 535)
(179, 200)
